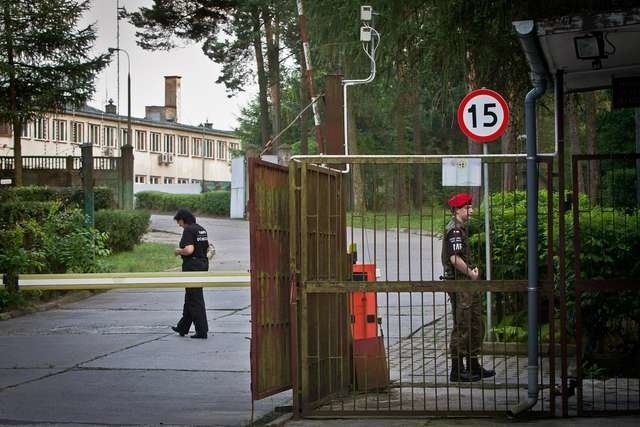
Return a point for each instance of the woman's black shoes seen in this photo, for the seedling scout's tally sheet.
(200, 336)
(178, 331)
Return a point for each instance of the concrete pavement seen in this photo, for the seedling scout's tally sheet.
(111, 359)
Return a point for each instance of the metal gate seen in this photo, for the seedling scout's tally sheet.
(376, 208)
(606, 293)
(270, 316)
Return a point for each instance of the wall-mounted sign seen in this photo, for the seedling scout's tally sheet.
(461, 172)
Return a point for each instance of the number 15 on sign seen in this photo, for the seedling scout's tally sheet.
(483, 115)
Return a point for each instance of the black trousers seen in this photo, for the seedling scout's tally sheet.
(194, 312)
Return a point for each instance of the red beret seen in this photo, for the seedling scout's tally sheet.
(460, 200)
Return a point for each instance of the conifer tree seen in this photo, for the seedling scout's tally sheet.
(45, 63)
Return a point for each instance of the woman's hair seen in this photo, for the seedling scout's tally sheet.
(185, 215)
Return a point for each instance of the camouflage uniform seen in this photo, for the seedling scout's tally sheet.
(468, 330)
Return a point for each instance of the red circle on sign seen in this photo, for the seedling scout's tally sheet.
(478, 98)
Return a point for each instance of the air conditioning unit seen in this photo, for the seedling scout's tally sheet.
(169, 157)
(162, 159)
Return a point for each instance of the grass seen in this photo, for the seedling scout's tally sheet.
(144, 257)
(428, 221)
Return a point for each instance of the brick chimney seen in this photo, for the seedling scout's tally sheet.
(172, 98)
(110, 108)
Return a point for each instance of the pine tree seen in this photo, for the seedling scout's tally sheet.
(44, 62)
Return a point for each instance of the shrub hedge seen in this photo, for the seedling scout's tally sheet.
(215, 203)
(73, 197)
(610, 242)
(125, 228)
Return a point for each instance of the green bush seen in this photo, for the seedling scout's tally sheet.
(17, 211)
(57, 244)
(28, 194)
(610, 242)
(103, 198)
(73, 197)
(124, 227)
(215, 203)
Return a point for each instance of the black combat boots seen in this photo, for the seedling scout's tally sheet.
(459, 374)
(476, 369)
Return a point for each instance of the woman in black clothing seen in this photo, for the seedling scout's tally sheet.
(193, 250)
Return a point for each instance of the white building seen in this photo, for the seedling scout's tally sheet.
(165, 151)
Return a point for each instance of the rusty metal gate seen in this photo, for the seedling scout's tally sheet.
(606, 290)
(270, 316)
(284, 355)
(392, 209)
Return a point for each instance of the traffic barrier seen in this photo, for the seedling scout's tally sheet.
(173, 279)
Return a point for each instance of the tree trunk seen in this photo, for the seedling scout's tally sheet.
(359, 205)
(472, 84)
(16, 122)
(507, 168)
(417, 148)
(591, 128)
(272, 35)
(262, 80)
(304, 98)
(399, 177)
(637, 126)
(17, 150)
(573, 136)
(509, 145)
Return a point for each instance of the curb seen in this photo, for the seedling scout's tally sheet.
(73, 296)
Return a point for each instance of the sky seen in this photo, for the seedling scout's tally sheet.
(201, 98)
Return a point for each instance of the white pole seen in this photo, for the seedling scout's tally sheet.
(487, 245)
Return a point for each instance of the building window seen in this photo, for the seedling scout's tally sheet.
(183, 145)
(168, 180)
(154, 179)
(140, 179)
(110, 136)
(195, 181)
(222, 150)
(124, 136)
(155, 142)
(208, 148)
(183, 180)
(94, 134)
(169, 144)
(60, 130)
(141, 140)
(196, 147)
(234, 148)
(40, 128)
(77, 132)
(26, 130)
(5, 129)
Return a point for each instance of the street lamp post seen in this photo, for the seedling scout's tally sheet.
(111, 50)
(126, 150)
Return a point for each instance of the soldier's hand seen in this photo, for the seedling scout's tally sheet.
(474, 273)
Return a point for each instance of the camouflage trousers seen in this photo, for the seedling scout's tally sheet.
(468, 330)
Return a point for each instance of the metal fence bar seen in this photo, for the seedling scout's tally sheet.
(197, 279)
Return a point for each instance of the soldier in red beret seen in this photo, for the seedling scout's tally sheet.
(467, 332)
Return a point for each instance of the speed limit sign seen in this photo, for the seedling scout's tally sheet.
(483, 115)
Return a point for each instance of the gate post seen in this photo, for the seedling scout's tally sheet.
(334, 120)
(87, 182)
(126, 176)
